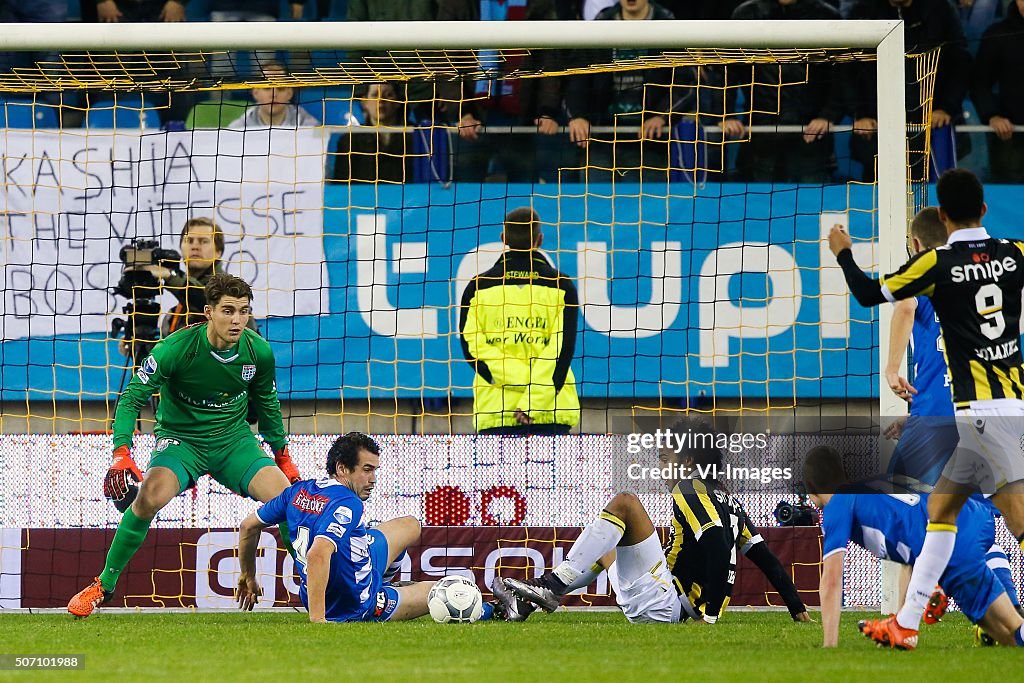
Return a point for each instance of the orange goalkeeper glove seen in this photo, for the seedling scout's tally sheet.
(121, 482)
(286, 465)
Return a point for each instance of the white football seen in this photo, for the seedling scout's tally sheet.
(455, 600)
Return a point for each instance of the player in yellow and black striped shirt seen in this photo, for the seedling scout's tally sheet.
(974, 282)
(709, 526)
(693, 582)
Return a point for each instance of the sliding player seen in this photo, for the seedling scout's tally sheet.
(974, 282)
(206, 375)
(892, 527)
(693, 580)
(345, 569)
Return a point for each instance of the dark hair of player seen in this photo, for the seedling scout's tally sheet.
(702, 448)
(521, 228)
(823, 470)
(345, 451)
(961, 196)
(222, 285)
(928, 228)
(218, 234)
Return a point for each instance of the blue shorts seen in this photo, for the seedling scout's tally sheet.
(383, 603)
(924, 448)
(968, 578)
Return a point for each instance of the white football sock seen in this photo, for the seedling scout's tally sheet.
(585, 579)
(931, 562)
(598, 537)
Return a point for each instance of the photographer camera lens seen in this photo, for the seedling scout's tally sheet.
(138, 284)
(795, 514)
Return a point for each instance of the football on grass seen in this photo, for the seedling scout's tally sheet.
(455, 600)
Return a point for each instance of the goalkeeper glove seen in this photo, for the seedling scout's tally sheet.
(286, 465)
(121, 483)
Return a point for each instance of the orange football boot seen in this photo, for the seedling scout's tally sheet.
(937, 606)
(90, 597)
(889, 633)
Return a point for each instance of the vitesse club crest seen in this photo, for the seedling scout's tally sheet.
(248, 372)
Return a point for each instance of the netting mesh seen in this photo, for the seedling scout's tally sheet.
(224, 70)
(698, 290)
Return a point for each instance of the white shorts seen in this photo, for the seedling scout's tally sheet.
(643, 584)
(990, 453)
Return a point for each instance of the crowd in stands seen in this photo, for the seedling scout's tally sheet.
(980, 81)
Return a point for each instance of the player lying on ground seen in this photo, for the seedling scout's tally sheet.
(345, 570)
(693, 579)
(892, 527)
(206, 375)
(974, 282)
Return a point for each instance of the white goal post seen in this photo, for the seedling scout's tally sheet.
(885, 37)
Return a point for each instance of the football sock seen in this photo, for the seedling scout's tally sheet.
(131, 532)
(488, 612)
(394, 567)
(585, 579)
(999, 564)
(931, 562)
(598, 537)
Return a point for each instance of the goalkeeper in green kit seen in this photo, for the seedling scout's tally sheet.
(206, 375)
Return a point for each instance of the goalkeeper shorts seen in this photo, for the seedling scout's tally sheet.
(233, 463)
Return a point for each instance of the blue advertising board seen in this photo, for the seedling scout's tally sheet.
(729, 292)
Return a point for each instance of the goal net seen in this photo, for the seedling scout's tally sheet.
(704, 285)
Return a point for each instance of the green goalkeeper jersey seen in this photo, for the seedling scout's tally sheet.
(204, 392)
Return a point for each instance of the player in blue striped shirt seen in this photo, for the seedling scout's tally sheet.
(928, 436)
(892, 526)
(345, 569)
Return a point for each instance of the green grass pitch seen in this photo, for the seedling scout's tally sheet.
(566, 646)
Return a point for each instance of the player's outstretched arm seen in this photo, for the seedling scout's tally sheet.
(318, 569)
(248, 591)
(760, 554)
(899, 337)
(866, 290)
(146, 381)
(830, 589)
(271, 513)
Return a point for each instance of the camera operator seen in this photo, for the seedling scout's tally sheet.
(202, 246)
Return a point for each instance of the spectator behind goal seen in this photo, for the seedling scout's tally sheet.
(384, 155)
(635, 97)
(998, 93)
(274, 108)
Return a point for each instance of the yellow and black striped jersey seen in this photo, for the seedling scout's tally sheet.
(700, 507)
(974, 282)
